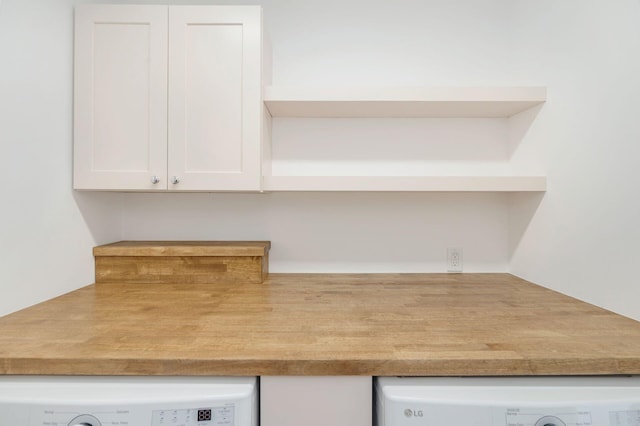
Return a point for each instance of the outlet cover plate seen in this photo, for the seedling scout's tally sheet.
(454, 259)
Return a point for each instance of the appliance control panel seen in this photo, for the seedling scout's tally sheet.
(547, 417)
(223, 415)
(455, 415)
(215, 416)
(595, 415)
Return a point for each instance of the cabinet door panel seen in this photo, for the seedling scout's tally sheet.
(120, 97)
(215, 97)
(213, 121)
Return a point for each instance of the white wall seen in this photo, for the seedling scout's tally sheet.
(338, 232)
(584, 237)
(46, 230)
(361, 42)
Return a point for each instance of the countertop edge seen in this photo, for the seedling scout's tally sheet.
(279, 367)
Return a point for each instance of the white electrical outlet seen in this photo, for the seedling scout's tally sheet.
(454, 259)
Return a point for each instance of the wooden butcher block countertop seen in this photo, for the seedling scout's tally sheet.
(317, 324)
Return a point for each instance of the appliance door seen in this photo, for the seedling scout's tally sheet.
(128, 401)
(517, 401)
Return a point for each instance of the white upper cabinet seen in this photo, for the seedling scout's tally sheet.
(168, 98)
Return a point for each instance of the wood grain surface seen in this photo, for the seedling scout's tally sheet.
(306, 324)
(183, 269)
(183, 248)
(193, 262)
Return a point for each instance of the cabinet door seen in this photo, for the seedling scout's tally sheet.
(215, 98)
(120, 105)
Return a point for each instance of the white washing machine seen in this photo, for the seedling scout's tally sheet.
(517, 401)
(128, 401)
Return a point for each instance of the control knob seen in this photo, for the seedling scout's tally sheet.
(550, 421)
(85, 420)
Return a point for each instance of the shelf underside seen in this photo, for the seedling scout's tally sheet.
(406, 183)
(402, 101)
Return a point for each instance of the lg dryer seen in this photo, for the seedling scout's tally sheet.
(518, 401)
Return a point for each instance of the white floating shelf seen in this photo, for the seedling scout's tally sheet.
(406, 183)
(401, 101)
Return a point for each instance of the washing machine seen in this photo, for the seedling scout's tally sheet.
(128, 401)
(516, 401)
